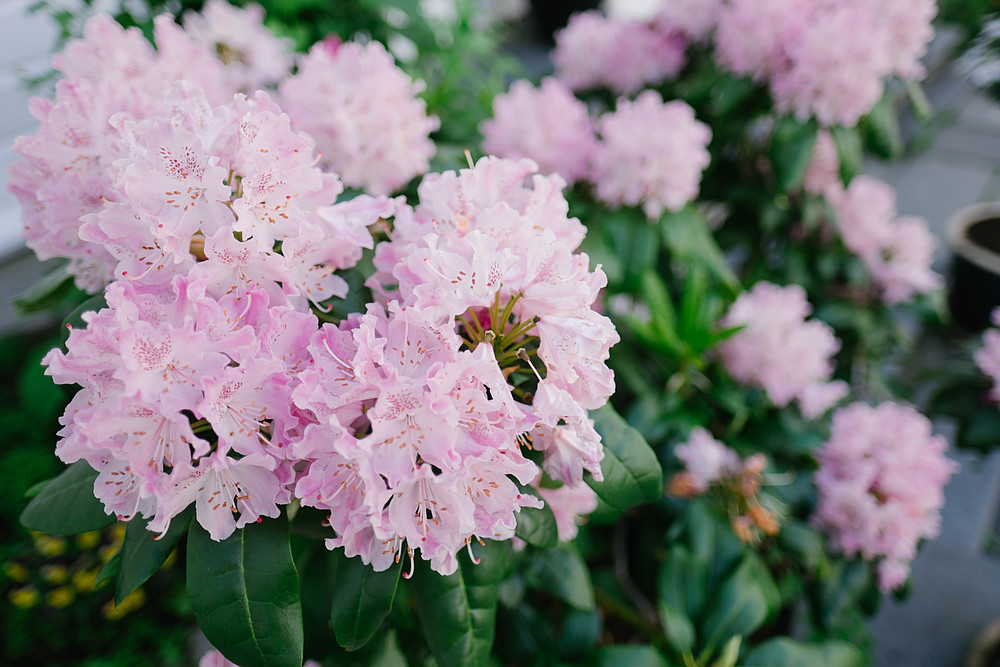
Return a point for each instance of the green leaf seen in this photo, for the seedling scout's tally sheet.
(785, 652)
(108, 570)
(143, 553)
(804, 543)
(36, 488)
(537, 526)
(244, 592)
(633, 655)
(632, 473)
(850, 152)
(388, 653)
(791, 151)
(458, 612)
(362, 598)
(690, 241)
(633, 239)
(744, 601)
(562, 572)
(683, 581)
(67, 505)
(52, 288)
(880, 129)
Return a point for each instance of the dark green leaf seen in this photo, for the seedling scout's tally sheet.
(362, 598)
(109, 570)
(690, 241)
(388, 653)
(67, 505)
(563, 573)
(52, 288)
(683, 582)
(785, 652)
(143, 552)
(458, 612)
(36, 488)
(745, 600)
(804, 543)
(633, 655)
(850, 152)
(881, 129)
(632, 473)
(244, 592)
(791, 151)
(537, 526)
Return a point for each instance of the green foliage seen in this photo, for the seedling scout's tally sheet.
(67, 505)
(143, 552)
(362, 598)
(632, 475)
(244, 592)
(457, 612)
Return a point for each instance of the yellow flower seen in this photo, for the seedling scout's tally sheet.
(60, 597)
(15, 571)
(55, 574)
(23, 598)
(84, 580)
(88, 541)
(49, 545)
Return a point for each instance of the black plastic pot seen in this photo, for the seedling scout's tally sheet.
(974, 238)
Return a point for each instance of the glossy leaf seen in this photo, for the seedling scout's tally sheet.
(537, 526)
(683, 582)
(785, 652)
(744, 601)
(689, 239)
(362, 598)
(562, 572)
(143, 553)
(791, 151)
(850, 152)
(458, 612)
(881, 129)
(67, 505)
(245, 594)
(632, 472)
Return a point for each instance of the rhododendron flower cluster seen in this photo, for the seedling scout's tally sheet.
(253, 56)
(363, 112)
(897, 251)
(988, 356)
(823, 58)
(880, 484)
(651, 153)
(546, 124)
(621, 55)
(780, 351)
(820, 58)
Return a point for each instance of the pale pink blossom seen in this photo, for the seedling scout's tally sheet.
(651, 154)
(570, 505)
(823, 175)
(546, 124)
(987, 357)
(621, 55)
(364, 113)
(881, 486)
(779, 350)
(253, 56)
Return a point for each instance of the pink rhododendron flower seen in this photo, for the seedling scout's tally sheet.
(820, 58)
(880, 483)
(596, 51)
(547, 125)
(364, 113)
(823, 175)
(570, 505)
(651, 153)
(898, 252)
(253, 56)
(781, 351)
(695, 18)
